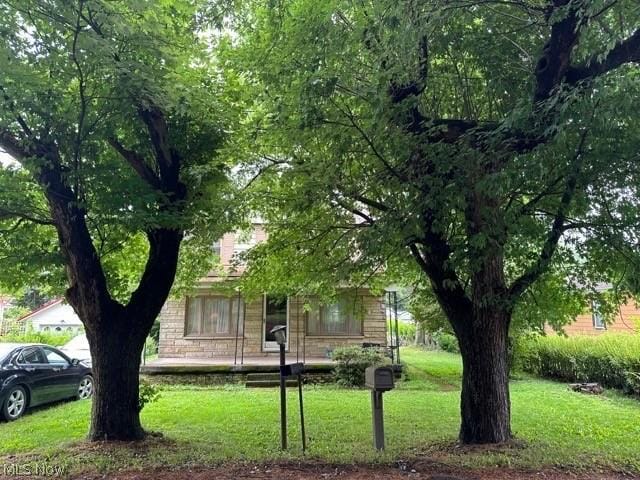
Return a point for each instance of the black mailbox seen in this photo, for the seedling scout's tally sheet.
(379, 379)
(292, 369)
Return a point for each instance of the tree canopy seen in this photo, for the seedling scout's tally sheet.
(79, 74)
(487, 146)
(115, 112)
(376, 124)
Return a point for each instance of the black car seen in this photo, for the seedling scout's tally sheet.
(32, 375)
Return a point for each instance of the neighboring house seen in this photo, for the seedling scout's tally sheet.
(591, 322)
(216, 322)
(53, 316)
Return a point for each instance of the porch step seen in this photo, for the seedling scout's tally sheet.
(267, 380)
(269, 384)
(252, 377)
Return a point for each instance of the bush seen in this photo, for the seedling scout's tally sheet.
(150, 347)
(351, 362)
(406, 331)
(55, 339)
(147, 393)
(610, 360)
(446, 342)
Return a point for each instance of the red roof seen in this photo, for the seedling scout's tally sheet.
(49, 304)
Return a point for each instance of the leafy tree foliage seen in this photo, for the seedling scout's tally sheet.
(113, 111)
(488, 147)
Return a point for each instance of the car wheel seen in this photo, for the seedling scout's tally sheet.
(15, 404)
(85, 388)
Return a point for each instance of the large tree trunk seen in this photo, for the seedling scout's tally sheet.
(481, 324)
(485, 404)
(116, 332)
(115, 412)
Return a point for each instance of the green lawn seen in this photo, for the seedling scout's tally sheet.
(207, 426)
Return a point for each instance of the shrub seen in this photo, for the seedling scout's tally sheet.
(611, 360)
(446, 342)
(351, 362)
(150, 347)
(406, 331)
(148, 393)
(49, 338)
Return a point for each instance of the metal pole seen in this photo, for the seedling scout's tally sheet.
(235, 354)
(297, 329)
(244, 322)
(377, 419)
(283, 400)
(389, 316)
(304, 438)
(395, 303)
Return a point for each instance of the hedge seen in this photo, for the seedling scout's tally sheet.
(49, 338)
(610, 360)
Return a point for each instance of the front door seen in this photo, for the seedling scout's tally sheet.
(276, 313)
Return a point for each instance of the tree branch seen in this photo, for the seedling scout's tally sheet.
(444, 281)
(137, 162)
(626, 51)
(11, 145)
(156, 124)
(354, 211)
(8, 214)
(550, 245)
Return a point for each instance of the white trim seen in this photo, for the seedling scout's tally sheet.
(272, 347)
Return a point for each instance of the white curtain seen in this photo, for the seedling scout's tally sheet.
(216, 316)
(194, 316)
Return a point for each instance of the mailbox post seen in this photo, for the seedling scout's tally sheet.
(293, 370)
(281, 339)
(379, 380)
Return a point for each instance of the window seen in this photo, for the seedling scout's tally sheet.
(243, 241)
(54, 357)
(32, 356)
(596, 316)
(216, 248)
(341, 318)
(214, 316)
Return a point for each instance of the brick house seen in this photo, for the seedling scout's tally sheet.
(217, 323)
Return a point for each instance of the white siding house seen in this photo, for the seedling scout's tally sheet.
(54, 316)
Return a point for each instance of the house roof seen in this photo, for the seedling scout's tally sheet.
(42, 308)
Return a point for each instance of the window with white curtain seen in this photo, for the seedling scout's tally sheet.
(344, 317)
(214, 316)
(596, 316)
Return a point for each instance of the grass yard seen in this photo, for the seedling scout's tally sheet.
(208, 426)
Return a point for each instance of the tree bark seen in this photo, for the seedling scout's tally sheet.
(116, 332)
(116, 363)
(485, 404)
(420, 335)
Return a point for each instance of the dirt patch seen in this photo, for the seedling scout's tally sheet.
(420, 470)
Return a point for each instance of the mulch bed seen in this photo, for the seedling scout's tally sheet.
(419, 470)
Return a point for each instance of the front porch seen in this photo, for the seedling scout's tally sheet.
(231, 365)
